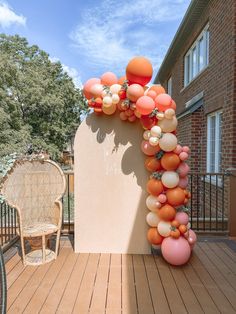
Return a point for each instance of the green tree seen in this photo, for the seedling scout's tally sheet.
(39, 103)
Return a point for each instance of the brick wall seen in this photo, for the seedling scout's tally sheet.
(217, 81)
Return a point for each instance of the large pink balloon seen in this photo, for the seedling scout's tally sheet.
(145, 105)
(148, 149)
(109, 79)
(176, 251)
(88, 85)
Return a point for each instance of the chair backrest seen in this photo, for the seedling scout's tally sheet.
(33, 186)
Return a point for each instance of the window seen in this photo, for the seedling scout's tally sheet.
(214, 153)
(169, 86)
(197, 58)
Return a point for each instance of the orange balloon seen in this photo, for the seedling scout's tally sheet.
(167, 212)
(139, 70)
(158, 89)
(154, 237)
(175, 196)
(88, 85)
(134, 91)
(163, 102)
(122, 79)
(109, 79)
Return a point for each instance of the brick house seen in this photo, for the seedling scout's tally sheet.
(199, 72)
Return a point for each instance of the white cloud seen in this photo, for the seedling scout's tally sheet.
(72, 72)
(111, 33)
(9, 17)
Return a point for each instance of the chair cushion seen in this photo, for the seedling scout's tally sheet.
(39, 229)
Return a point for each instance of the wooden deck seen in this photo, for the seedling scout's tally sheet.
(114, 283)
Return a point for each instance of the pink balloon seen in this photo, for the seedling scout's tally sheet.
(183, 169)
(192, 238)
(182, 218)
(152, 94)
(145, 105)
(88, 85)
(178, 149)
(123, 116)
(186, 149)
(183, 182)
(183, 156)
(109, 79)
(162, 198)
(176, 251)
(148, 149)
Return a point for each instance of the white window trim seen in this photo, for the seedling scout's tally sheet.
(190, 54)
(169, 86)
(217, 115)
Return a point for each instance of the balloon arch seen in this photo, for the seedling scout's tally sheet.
(168, 218)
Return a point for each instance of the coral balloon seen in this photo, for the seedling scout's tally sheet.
(151, 93)
(168, 125)
(152, 164)
(175, 196)
(152, 219)
(88, 85)
(152, 203)
(145, 105)
(164, 228)
(109, 110)
(148, 122)
(168, 142)
(109, 79)
(163, 102)
(176, 251)
(182, 218)
(121, 80)
(134, 92)
(170, 161)
(139, 70)
(96, 90)
(158, 89)
(167, 213)
(154, 237)
(170, 179)
(148, 149)
(154, 186)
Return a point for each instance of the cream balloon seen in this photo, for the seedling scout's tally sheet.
(170, 179)
(105, 93)
(115, 99)
(115, 88)
(168, 125)
(109, 109)
(164, 228)
(160, 115)
(168, 142)
(169, 113)
(146, 135)
(153, 141)
(156, 131)
(107, 101)
(152, 203)
(152, 219)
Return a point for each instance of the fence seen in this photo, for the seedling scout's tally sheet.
(209, 206)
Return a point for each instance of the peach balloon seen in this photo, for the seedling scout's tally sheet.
(148, 149)
(115, 88)
(168, 142)
(152, 203)
(139, 70)
(152, 219)
(164, 228)
(88, 85)
(168, 125)
(158, 89)
(134, 91)
(151, 93)
(109, 109)
(109, 79)
(163, 102)
(145, 105)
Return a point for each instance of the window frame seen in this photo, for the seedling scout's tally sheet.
(169, 86)
(189, 76)
(218, 141)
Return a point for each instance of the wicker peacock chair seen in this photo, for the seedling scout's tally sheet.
(35, 189)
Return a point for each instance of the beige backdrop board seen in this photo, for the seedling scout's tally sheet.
(110, 187)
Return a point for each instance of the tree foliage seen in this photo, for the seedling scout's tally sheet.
(39, 103)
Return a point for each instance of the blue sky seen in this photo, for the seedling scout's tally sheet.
(91, 37)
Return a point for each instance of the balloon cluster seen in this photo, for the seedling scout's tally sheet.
(166, 159)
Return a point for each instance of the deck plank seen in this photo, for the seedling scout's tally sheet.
(98, 301)
(219, 298)
(51, 303)
(12, 263)
(84, 296)
(227, 250)
(72, 288)
(40, 295)
(200, 291)
(113, 305)
(160, 302)
(226, 259)
(129, 302)
(144, 299)
(174, 298)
